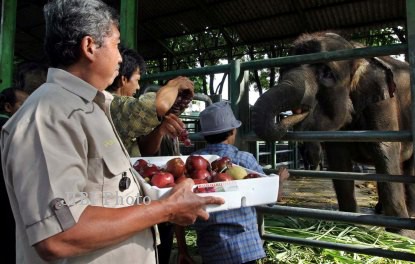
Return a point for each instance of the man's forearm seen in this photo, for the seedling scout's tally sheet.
(149, 149)
(99, 227)
(165, 99)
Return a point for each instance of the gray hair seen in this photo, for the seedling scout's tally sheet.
(68, 21)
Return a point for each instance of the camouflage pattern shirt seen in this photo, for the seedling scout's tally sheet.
(134, 117)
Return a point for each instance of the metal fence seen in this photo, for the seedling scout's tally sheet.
(238, 94)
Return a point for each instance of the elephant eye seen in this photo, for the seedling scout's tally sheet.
(325, 75)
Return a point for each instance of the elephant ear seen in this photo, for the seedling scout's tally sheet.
(388, 74)
(362, 69)
(371, 83)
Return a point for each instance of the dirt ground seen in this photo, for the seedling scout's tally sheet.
(319, 194)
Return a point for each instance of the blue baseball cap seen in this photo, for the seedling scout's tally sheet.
(218, 118)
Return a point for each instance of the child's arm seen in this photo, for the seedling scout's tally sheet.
(284, 174)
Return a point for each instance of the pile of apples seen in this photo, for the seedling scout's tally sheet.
(196, 167)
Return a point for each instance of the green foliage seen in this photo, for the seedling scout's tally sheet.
(213, 45)
(198, 83)
(284, 253)
(278, 252)
(379, 37)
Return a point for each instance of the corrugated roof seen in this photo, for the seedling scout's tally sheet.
(243, 21)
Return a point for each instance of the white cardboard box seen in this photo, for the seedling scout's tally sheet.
(238, 193)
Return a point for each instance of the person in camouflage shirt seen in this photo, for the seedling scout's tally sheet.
(151, 116)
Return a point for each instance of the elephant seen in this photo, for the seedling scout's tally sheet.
(355, 94)
(312, 155)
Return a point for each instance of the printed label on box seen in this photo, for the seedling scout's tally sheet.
(229, 186)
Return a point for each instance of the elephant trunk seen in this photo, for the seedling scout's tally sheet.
(283, 97)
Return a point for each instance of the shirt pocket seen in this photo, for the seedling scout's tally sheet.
(115, 165)
(106, 168)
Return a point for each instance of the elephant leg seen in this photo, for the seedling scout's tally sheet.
(378, 208)
(345, 193)
(391, 194)
(408, 169)
(410, 199)
(392, 205)
(338, 159)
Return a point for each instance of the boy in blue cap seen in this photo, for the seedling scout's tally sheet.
(228, 236)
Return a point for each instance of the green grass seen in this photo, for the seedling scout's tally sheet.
(278, 252)
(285, 253)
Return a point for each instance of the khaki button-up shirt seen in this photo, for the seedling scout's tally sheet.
(61, 144)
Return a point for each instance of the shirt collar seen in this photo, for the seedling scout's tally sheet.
(221, 146)
(72, 83)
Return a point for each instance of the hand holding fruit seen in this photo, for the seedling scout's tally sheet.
(187, 206)
(184, 137)
(184, 95)
(171, 125)
(174, 97)
(181, 103)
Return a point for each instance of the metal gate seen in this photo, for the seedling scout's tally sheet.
(238, 94)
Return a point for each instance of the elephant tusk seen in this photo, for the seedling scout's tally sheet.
(290, 121)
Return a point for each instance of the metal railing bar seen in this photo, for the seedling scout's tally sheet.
(187, 72)
(197, 96)
(350, 248)
(357, 218)
(348, 54)
(333, 136)
(349, 176)
(340, 136)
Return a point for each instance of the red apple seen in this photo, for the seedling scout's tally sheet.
(162, 179)
(139, 165)
(201, 174)
(200, 181)
(251, 175)
(176, 167)
(199, 189)
(196, 162)
(222, 177)
(221, 164)
(149, 171)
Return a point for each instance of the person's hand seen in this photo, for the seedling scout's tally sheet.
(172, 126)
(182, 84)
(185, 94)
(283, 173)
(186, 206)
(175, 96)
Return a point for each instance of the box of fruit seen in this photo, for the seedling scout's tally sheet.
(213, 175)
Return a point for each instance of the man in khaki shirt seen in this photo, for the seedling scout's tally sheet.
(68, 177)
